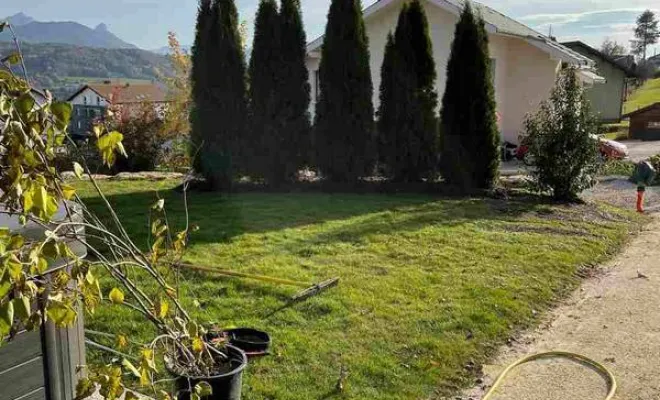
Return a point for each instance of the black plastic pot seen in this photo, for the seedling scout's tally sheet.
(251, 341)
(225, 386)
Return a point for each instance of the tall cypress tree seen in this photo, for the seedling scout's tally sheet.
(344, 113)
(226, 148)
(294, 92)
(411, 150)
(471, 155)
(263, 140)
(387, 108)
(201, 113)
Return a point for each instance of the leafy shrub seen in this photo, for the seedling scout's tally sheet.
(142, 127)
(617, 167)
(175, 156)
(561, 143)
(655, 161)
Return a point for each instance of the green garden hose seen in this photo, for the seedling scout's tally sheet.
(604, 372)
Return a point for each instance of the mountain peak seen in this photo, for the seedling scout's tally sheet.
(101, 27)
(20, 19)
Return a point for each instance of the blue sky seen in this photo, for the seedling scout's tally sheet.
(146, 22)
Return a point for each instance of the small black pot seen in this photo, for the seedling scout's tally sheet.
(251, 341)
(225, 386)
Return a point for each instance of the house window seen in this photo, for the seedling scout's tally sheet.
(85, 100)
(317, 84)
(654, 125)
(98, 100)
(79, 125)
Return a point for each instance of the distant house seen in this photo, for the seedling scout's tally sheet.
(607, 98)
(645, 123)
(91, 101)
(654, 62)
(525, 62)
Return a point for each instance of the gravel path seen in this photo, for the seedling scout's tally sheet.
(613, 319)
(622, 193)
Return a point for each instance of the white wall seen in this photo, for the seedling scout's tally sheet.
(524, 73)
(91, 96)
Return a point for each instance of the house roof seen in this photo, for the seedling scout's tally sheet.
(124, 93)
(597, 53)
(496, 22)
(641, 110)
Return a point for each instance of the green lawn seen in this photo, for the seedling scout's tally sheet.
(648, 94)
(429, 286)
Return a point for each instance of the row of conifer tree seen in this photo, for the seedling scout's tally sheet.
(253, 120)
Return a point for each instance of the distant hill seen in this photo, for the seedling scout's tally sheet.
(62, 68)
(166, 50)
(29, 30)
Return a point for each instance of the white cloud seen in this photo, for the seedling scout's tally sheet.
(559, 19)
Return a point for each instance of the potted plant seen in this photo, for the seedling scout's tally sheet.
(33, 131)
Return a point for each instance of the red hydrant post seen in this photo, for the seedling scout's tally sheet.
(640, 198)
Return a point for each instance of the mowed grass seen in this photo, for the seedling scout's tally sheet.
(648, 94)
(430, 287)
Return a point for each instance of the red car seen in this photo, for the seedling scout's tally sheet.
(609, 150)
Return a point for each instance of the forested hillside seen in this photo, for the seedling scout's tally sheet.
(62, 68)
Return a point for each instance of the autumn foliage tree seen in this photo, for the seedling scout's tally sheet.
(177, 116)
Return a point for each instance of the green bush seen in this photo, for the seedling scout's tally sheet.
(655, 161)
(560, 137)
(617, 167)
(143, 141)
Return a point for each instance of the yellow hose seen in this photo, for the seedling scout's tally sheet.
(611, 381)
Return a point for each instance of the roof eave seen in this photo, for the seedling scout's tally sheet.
(449, 6)
(559, 52)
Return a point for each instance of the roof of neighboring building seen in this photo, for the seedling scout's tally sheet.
(123, 93)
(496, 23)
(642, 110)
(630, 73)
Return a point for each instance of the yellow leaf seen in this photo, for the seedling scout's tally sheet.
(130, 396)
(78, 170)
(122, 341)
(68, 191)
(203, 389)
(161, 308)
(116, 296)
(130, 367)
(22, 308)
(158, 206)
(198, 344)
(41, 199)
(28, 200)
(163, 395)
(6, 318)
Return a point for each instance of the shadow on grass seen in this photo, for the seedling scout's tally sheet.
(223, 217)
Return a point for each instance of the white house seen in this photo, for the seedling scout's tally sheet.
(91, 100)
(526, 62)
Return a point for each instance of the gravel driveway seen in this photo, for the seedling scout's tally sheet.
(613, 318)
(640, 151)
